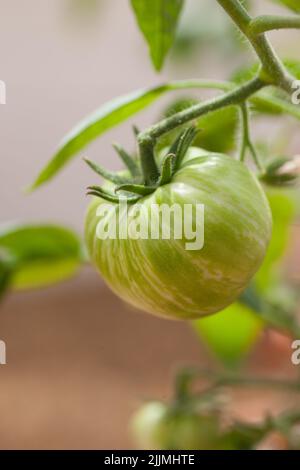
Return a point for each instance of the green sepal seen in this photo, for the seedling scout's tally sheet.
(136, 189)
(167, 169)
(182, 144)
(276, 175)
(101, 193)
(128, 161)
(136, 130)
(107, 175)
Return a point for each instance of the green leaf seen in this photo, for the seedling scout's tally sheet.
(166, 170)
(120, 109)
(222, 123)
(42, 254)
(230, 334)
(108, 116)
(284, 209)
(157, 20)
(291, 4)
(277, 307)
(106, 174)
(130, 163)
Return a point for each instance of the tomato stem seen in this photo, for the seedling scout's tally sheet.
(273, 70)
(246, 138)
(224, 379)
(236, 96)
(264, 23)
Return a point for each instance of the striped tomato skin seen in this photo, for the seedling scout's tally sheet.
(161, 276)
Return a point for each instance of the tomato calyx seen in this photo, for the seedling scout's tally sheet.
(282, 172)
(140, 184)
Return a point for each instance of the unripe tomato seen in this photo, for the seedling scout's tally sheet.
(161, 276)
(155, 426)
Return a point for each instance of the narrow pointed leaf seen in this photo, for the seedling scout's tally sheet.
(136, 130)
(110, 197)
(128, 161)
(107, 175)
(182, 145)
(167, 169)
(157, 20)
(108, 116)
(137, 189)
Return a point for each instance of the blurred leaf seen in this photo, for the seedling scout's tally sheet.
(282, 172)
(291, 4)
(196, 35)
(246, 435)
(222, 123)
(251, 299)
(284, 209)
(293, 65)
(158, 19)
(277, 308)
(43, 254)
(231, 333)
(218, 130)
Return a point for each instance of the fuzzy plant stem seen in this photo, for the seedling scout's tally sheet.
(272, 72)
(147, 139)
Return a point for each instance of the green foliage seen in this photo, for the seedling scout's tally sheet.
(218, 130)
(230, 334)
(282, 172)
(283, 206)
(108, 116)
(158, 20)
(291, 4)
(37, 255)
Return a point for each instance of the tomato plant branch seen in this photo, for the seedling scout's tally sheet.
(265, 23)
(236, 96)
(231, 380)
(273, 70)
(246, 138)
(224, 379)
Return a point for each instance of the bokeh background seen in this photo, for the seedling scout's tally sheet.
(79, 360)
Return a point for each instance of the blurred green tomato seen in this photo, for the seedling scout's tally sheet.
(157, 427)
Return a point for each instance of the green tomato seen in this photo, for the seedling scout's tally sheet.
(162, 276)
(155, 426)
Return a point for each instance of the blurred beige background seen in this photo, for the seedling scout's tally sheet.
(79, 361)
